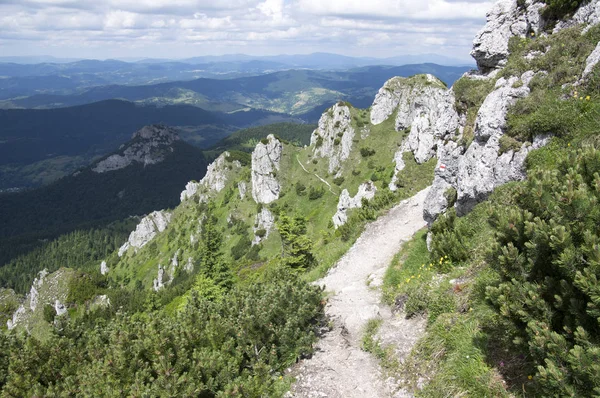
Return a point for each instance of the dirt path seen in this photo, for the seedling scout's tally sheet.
(339, 367)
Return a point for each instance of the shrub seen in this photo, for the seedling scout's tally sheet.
(547, 253)
(338, 180)
(316, 193)
(261, 233)
(49, 313)
(241, 248)
(366, 152)
(300, 189)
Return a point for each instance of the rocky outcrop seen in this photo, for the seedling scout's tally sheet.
(482, 167)
(46, 289)
(217, 174)
(146, 230)
(505, 20)
(366, 191)
(333, 137)
(60, 308)
(265, 165)
(264, 221)
(159, 282)
(242, 188)
(423, 106)
(588, 14)
(591, 62)
(103, 268)
(149, 146)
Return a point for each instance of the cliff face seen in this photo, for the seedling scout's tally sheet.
(475, 170)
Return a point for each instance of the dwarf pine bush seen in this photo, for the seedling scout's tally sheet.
(547, 253)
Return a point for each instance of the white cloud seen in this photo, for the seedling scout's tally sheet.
(113, 28)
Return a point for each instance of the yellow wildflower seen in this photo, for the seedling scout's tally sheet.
(581, 98)
(530, 377)
(588, 98)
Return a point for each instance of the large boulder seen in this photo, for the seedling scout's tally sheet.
(333, 137)
(265, 165)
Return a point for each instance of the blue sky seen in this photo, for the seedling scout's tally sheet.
(186, 28)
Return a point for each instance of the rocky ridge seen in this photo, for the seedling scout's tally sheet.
(423, 106)
(214, 180)
(146, 230)
(149, 146)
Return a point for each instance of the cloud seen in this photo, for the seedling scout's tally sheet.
(185, 28)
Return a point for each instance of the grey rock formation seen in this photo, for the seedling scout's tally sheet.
(591, 62)
(242, 188)
(265, 165)
(264, 220)
(588, 14)
(366, 191)
(425, 107)
(149, 146)
(481, 168)
(146, 230)
(333, 137)
(103, 268)
(159, 282)
(217, 174)
(505, 20)
(189, 266)
(400, 165)
(46, 289)
(60, 308)
(101, 301)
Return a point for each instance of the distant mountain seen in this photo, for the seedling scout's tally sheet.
(293, 92)
(40, 145)
(146, 173)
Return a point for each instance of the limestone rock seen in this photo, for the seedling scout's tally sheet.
(264, 220)
(104, 268)
(333, 137)
(217, 174)
(159, 282)
(505, 20)
(101, 301)
(588, 14)
(481, 168)
(60, 308)
(400, 165)
(46, 289)
(591, 62)
(242, 188)
(265, 165)
(146, 230)
(148, 146)
(425, 107)
(189, 266)
(366, 191)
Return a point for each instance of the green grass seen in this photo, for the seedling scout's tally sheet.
(372, 345)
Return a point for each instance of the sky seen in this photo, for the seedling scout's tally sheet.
(103, 29)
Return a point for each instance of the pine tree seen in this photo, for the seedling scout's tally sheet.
(296, 245)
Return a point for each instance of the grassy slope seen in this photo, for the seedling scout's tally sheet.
(328, 244)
